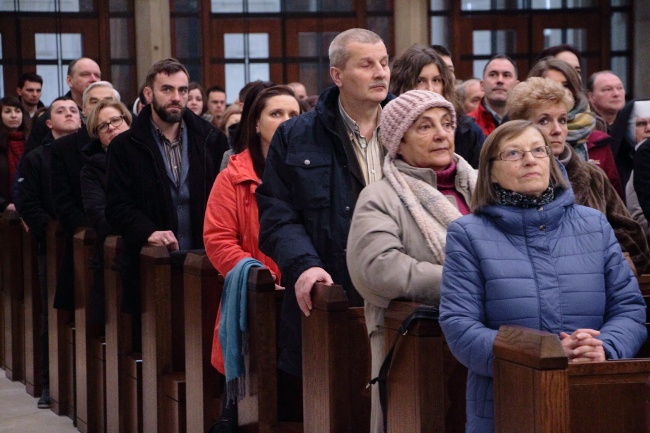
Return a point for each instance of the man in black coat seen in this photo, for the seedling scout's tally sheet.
(36, 209)
(65, 173)
(160, 173)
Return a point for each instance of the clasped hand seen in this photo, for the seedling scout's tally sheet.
(582, 346)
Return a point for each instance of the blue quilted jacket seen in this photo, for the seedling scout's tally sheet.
(555, 268)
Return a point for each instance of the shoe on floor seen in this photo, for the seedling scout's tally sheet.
(224, 425)
(45, 401)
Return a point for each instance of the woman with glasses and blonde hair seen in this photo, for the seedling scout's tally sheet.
(108, 119)
(546, 103)
(529, 255)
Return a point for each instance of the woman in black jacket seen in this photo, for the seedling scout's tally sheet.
(109, 119)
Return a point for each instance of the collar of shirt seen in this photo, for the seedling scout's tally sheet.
(497, 118)
(353, 128)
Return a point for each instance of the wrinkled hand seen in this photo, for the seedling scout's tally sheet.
(582, 346)
(164, 238)
(306, 282)
(25, 226)
(11, 207)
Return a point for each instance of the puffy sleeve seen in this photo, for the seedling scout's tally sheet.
(380, 267)
(623, 331)
(462, 304)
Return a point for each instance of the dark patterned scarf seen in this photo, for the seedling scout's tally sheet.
(511, 198)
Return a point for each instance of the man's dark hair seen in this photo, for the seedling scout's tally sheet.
(502, 56)
(60, 98)
(168, 67)
(29, 76)
(244, 90)
(441, 50)
(592, 78)
(215, 89)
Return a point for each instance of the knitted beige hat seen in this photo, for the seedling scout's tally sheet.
(400, 113)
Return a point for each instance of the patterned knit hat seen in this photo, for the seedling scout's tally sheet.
(400, 113)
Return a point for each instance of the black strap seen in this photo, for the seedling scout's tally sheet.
(423, 312)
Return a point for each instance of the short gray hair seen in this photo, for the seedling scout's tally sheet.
(116, 94)
(338, 51)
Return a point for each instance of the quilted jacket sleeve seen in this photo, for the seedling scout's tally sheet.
(462, 308)
(623, 331)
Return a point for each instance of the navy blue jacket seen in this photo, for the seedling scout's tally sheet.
(311, 184)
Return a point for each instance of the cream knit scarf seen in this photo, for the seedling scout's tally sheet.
(431, 210)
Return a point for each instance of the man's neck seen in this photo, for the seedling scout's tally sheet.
(362, 112)
(31, 109)
(170, 130)
(608, 116)
(499, 109)
(78, 99)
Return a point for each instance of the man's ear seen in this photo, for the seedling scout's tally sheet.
(148, 94)
(68, 80)
(335, 73)
(48, 123)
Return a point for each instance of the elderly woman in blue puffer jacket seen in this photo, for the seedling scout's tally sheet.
(529, 256)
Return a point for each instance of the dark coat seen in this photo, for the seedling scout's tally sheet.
(468, 139)
(311, 184)
(66, 185)
(138, 195)
(93, 187)
(35, 205)
(622, 146)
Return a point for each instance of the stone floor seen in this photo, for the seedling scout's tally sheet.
(19, 414)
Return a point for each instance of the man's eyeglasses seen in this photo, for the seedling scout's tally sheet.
(114, 122)
(516, 155)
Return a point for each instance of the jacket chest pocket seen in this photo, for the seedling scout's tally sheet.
(311, 184)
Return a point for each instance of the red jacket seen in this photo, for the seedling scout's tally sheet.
(600, 153)
(231, 228)
(484, 119)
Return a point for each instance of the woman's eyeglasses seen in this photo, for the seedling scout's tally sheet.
(516, 155)
(114, 122)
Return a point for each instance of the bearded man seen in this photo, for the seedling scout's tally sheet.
(160, 173)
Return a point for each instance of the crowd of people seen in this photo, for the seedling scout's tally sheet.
(502, 201)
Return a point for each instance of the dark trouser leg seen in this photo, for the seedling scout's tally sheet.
(45, 352)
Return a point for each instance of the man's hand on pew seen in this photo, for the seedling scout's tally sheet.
(163, 238)
(582, 346)
(306, 282)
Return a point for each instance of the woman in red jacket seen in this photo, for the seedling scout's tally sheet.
(231, 228)
(14, 129)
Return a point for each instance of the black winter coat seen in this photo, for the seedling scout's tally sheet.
(138, 195)
(66, 185)
(468, 139)
(311, 183)
(93, 187)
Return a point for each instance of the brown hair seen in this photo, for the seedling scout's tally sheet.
(251, 138)
(572, 78)
(406, 68)
(11, 101)
(485, 195)
(168, 67)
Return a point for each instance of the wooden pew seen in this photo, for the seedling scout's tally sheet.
(537, 390)
(203, 287)
(60, 332)
(163, 345)
(3, 268)
(13, 300)
(89, 374)
(425, 380)
(123, 366)
(33, 311)
(336, 364)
